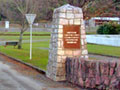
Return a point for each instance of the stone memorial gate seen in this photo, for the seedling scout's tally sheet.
(68, 55)
(68, 39)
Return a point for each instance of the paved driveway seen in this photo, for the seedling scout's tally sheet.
(10, 79)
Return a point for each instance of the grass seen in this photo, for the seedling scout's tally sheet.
(40, 57)
(105, 50)
(16, 38)
(25, 32)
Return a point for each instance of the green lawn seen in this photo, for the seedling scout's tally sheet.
(40, 57)
(16, 38)
(105, 50)
(25, 32)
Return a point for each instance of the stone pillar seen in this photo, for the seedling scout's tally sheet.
(68, 39)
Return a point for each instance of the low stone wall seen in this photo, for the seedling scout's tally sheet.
(100, 75)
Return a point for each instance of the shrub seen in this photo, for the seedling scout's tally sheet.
(118, 28)
(109, 29)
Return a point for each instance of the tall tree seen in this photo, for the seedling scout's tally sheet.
(24, 7)
(15, 10)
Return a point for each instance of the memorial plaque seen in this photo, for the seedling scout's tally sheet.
(71, 36)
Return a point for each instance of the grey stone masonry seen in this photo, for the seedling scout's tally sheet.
(65, 15)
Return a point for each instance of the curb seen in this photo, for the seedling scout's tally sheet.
(29, 65)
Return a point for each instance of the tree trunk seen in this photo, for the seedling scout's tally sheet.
(20, 40)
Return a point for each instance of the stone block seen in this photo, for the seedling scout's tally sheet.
(60, 35)
(104, 68)
(60, 26)
(68, 52)
(63, 22)
(82, 31)
(80, 10)
(55, 16)
(56, 21)
(82, 27)
(63, 59)
(60, 31)
(69, 16)
(113, 64)
(77, 21)
(88, 83)
(98, 79)
(113, 80)
(55, 31)
(86, 57)
(83, 47)
(79, 73)
(62, 15)
(76, 11)
(59, 59)
(60, 71)
(69, 11)
(112, 71)
(62, 78)
(82, 41)
(60, 52)
(92, 83)
(71, 22)
(118, 70)
(91, 73)
(106, 80)
(84, 52)
(59, 66)
(83, 36)
(78, 16)
(85, 41)
(77, 52)
(63, 10)
(59, 44)
(57, 78)
(81, 82)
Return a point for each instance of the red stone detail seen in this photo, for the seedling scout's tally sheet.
(87, 83)
(81, 82)
(98, 80)
(111, 71)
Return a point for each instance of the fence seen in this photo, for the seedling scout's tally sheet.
(111, 40)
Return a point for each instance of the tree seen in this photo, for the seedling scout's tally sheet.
(15, 10)
(24, 7)
(100, 8)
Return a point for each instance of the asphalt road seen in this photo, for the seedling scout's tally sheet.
(12, 79)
